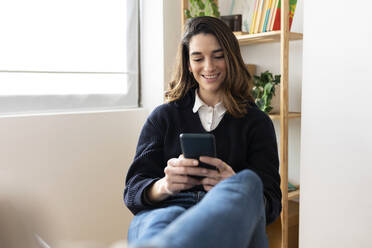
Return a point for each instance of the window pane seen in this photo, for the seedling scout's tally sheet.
(63, 83)
(68, 55)
(63, 35)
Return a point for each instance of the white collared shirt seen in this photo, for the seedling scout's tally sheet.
(210, 117)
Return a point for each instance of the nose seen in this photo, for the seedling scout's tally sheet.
(209, 65)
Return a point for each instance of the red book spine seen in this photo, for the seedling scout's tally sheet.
(277, 19)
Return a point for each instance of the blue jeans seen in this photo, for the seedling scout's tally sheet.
(232, 214)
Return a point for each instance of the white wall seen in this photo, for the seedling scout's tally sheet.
(161, 33)
(74, 166)
(152, 53)
(172, 36)
(336, 161)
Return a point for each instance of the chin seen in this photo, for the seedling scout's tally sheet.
(211, 88)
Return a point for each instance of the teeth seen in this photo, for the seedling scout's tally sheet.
(210, 76)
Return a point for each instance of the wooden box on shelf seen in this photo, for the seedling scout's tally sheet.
(251, 69)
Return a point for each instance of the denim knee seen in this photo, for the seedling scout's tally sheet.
(148, 221)
(169, 212)
(247, 182)
(147, 217)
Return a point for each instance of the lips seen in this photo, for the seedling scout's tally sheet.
(211, 77)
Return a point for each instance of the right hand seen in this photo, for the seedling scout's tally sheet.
(176, 178)
(177, 174)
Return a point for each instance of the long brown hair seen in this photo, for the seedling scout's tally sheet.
(236, 87)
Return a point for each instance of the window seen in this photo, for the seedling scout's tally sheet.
(59, 55)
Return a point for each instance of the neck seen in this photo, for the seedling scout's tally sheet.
(209, 98)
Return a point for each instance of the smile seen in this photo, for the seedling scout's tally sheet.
(210, 76)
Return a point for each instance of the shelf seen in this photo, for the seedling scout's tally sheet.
(291, 115)
(274, 230)
(273, 36)
(293, 213)
(293, 194)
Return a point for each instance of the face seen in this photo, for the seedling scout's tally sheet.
(207, 64)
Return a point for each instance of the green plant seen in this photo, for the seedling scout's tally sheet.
(264, 89)
(202, 8)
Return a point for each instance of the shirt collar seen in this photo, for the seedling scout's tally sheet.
(220, 109)
(198, 102)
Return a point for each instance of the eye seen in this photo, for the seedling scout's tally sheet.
(220, 56)
(197, 59)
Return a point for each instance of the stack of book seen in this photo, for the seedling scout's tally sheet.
(291, 187)
(265, 15)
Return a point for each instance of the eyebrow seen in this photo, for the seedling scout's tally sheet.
(199, 53)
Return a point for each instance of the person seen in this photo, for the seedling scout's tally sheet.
(228, 207)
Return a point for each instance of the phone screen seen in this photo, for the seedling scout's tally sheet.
(194, 145)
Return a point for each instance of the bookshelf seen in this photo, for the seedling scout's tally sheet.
(294, 194)
(267, 37)
(283, 232)
(291, 115)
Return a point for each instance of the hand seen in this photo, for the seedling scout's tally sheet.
(177, 174)
(177, 178)
(212, 178)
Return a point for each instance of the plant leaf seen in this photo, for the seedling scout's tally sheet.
(201, 5)
(268, 88)
(187, 13)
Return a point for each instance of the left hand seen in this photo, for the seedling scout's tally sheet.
(210, 180)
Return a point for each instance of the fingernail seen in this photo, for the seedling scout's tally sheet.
(195, 162)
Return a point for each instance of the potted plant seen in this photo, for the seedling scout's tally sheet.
(202, 8)
(210, 8)
(264, 89)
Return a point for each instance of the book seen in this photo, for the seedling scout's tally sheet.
(292, 8)
(258, 17)
(274, 15)
(263, 15)
(248, 14)
(291, 187)
(267, 15)
(251, 29)
(272, 11)
(243, 7)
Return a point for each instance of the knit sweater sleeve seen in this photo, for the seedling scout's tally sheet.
(263, 159)
(148, 164)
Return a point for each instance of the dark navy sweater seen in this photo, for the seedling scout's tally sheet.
(243, 143)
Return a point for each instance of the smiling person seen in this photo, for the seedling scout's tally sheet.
(228, 207)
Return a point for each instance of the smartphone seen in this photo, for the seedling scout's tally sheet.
(194, 145)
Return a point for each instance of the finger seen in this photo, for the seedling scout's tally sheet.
(210, 181)
(194, 171)
(214, 161)
(180, 186)
(172, 171)
(183, 179)
(207, 187)
(212, 173)
(182, 162)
